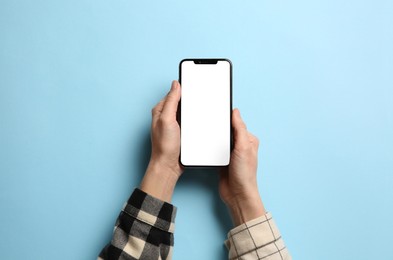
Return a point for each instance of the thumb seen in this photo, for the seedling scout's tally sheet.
(172, 101)
(240, 130)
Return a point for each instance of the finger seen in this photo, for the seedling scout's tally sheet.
(171, 101)
(253, 140)
(156, 111)
(240, 130)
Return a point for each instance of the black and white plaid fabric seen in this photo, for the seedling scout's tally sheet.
(144, 230)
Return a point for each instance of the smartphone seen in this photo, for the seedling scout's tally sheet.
(205, 112)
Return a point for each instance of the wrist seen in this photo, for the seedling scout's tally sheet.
(163, 164)
(159, 181)
(246, 208)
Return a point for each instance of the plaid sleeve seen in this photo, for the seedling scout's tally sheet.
(143, 230)
(257, 239)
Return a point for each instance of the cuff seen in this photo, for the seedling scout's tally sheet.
(257, 238)
(151, 210)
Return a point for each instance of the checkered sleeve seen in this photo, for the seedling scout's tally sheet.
(257, 239)
(143, 230)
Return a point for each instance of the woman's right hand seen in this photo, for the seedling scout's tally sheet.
(238, 183)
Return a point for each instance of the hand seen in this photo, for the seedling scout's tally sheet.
(164, 168)
(238, 184)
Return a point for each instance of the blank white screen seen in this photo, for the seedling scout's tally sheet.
(205, 114)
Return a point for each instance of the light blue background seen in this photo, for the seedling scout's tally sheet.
(313, 79)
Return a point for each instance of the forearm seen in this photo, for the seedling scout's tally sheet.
(159, 181)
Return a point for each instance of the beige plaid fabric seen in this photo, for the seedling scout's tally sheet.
(257, 239)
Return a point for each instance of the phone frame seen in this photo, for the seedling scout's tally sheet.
(178, 116)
